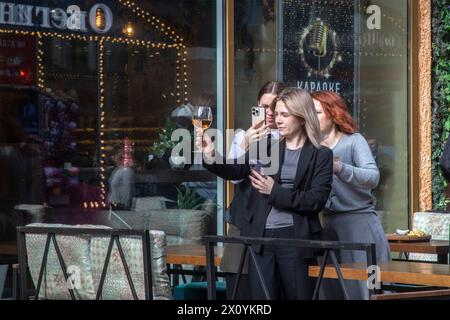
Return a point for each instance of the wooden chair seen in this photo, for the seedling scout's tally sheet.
(441, 294)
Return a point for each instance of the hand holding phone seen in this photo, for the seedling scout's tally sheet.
(255, 165)
(258, 115)
(258, 130)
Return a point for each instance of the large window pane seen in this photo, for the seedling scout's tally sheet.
(103, 92)
(343, 46)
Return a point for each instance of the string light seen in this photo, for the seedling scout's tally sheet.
(185, 72)
(154, 21)
(101, 85)
(40, 63)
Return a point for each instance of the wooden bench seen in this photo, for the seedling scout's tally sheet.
(443, 294)
(417, 273)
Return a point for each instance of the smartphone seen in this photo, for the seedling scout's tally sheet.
(257, 166)
(258, 115)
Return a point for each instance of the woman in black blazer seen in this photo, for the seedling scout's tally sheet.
(285, 205)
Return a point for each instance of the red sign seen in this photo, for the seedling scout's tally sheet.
(17, 60)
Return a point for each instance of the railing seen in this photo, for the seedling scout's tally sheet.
(328, 247)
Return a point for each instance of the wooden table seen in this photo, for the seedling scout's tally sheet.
(428, 274)
(191, 254)
(440, 248)
(8, 248)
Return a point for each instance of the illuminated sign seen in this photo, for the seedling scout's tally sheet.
(318, 46)
(98, 19)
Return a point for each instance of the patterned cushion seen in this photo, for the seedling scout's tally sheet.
(144, 204)
(181, 225)
(434, 223)
(116, 285)
(75, 252)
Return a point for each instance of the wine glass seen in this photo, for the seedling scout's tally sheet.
(201, 119)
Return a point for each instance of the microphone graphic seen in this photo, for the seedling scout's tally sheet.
(319, 35)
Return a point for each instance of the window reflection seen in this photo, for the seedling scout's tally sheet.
(327, 45)
(85, 115)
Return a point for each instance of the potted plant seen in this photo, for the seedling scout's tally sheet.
(188, 199)
(163, 147)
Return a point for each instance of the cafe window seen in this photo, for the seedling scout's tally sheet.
(356, 48)
(90, 94)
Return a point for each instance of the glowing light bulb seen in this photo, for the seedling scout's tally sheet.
(100, 21)
(128, 29)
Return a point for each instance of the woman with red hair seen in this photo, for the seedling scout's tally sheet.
(349, 214)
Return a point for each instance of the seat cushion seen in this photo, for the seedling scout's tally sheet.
(75, 251)
(180, 225)
(145, 204)
(116, 285)
(198, 291)
(434, 223)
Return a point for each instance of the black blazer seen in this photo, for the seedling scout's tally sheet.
(312, 185)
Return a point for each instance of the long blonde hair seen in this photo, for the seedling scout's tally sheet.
(300, 104)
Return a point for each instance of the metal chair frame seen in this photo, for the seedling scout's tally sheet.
(114, 237)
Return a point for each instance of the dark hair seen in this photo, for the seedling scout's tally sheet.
(117, 153)
(271, 87)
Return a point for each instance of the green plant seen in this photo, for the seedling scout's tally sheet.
(440, 97)
(165, 142)
(188, 199)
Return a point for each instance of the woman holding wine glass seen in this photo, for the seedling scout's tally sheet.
(285, 205)
(241, 141)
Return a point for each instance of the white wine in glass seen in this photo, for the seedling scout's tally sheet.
(202, 118)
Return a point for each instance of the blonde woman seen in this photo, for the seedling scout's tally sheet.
(284, 205)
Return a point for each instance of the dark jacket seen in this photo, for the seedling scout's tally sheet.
(310, 192)
(445, 160)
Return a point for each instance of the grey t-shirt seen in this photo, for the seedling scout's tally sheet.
(283, 218)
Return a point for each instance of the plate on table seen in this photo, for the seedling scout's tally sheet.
(393, 237)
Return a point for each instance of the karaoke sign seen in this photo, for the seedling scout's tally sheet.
(318, 39)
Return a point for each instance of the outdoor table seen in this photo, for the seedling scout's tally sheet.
(438, 247)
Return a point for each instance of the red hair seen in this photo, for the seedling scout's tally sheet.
(335, 108)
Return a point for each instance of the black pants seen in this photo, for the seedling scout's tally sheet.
(243, 291)
(285, 272)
